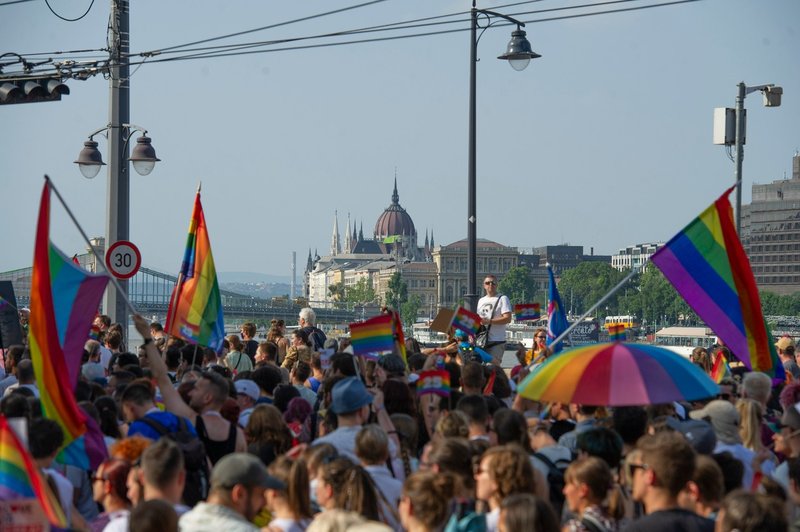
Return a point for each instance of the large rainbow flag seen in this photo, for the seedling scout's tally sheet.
(708, 267)
(195, 307)
(64, 301)
(21, 479)
(373, 336)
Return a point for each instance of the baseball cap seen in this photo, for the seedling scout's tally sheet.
(392, 363)
(348, 395)
(248, 388)
(243, 468)
(698, 433)
(784, 342)
(723, 417)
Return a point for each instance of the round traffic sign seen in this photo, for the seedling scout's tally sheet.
(123, 259)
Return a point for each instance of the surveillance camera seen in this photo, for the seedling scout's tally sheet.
(772, 96)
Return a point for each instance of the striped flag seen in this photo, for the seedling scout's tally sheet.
(372, 337)
(64, 300)
(707, 265)
(556, 316)
(467, 321)
(21, 479)
(435, 381)
(527, 311)
(616, 332)
(195, 307)
(720, 368)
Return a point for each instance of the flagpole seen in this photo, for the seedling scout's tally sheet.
(97, 257)
(603, 299)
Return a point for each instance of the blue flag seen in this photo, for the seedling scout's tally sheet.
(556, 317)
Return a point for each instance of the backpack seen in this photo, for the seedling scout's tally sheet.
(316, 337)
(464, 518)
(555, 480)
(195, 460)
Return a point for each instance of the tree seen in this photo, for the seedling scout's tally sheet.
(518, 285)
(361, 293)
(410, 309)
(397, 291)
(336, 291)
(583, 286)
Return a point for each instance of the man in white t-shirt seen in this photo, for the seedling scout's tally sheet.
(495, 313)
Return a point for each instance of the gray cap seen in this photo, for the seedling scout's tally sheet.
(243, 468)
(699, 434)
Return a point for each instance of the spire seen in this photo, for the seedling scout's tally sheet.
(336, 247)
(309, 262)
(395, 195)
(431, 239)
(426, 241)
(361, 232)
(348, 243)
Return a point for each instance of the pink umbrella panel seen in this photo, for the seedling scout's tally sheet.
(618, 374)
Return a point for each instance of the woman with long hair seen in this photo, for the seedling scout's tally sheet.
(290, 507)
(701, 358)
(425, 501)
(343, 485)
(109, 489)
(504, 471)
(266, 430)
(276, 335)
(110, 424)
(589, 492)
(751, 419)
(299, 350)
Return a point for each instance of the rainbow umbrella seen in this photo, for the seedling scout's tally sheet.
(617, 374)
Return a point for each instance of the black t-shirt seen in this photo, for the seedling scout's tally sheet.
(250, 348)
(674, 520)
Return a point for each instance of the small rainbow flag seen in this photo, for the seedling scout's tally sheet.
(527, 311)
(399, 336)
(616, 332)
(195, 307)
(707, 265)
(372, 337)
(720, 369)
(21, 479)
(467, 321)
(64, 300)
(434, 382)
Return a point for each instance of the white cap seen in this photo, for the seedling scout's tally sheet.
(248, 388)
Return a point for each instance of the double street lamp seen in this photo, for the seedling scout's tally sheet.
(518, 54)
(89, 161)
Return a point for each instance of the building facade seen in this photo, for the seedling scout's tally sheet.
(771, 233)
(451, 264)
(634, 256)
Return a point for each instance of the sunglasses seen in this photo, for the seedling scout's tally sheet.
(540, 337)
(490, 282)
(633, 467)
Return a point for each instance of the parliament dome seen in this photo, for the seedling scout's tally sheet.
(394, 220)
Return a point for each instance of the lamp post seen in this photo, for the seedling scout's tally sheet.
(772, 98)
(518, 55)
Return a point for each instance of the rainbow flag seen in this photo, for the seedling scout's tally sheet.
(616, 332)
(434, 382)
(556, 317)
(527, 311)
(467, 321)
(64, 300)
(720, 369)
(21, 479)
(372, 337)
(399, 336)
(708, 267)
(195, 307)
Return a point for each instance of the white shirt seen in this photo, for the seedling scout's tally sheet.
(214, 518)
(497, 332)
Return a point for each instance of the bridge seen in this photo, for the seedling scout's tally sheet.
(149, 292)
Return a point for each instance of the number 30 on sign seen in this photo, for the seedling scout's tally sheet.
(123, 259)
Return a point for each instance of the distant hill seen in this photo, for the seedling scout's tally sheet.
(252, 277)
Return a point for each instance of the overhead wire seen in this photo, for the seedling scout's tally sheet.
(69, 19)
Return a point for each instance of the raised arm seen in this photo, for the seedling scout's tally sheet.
(171, 397)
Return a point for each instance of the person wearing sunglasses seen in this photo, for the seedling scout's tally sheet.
(495, 312)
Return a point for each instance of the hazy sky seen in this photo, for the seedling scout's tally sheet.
(605, 141)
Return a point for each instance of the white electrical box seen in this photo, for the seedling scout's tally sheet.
(725, 125)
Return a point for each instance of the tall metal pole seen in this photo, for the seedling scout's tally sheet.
(740, 123)
(472, 280)
(118, 199)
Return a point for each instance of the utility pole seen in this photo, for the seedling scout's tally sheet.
(118, 198)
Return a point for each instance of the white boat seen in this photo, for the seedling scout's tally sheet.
(427, 337)
(683, 340)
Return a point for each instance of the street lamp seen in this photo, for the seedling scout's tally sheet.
(772, 98)
(89, 162)
(518, 54)
(143, 157)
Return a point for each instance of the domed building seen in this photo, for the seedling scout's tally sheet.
(395, 221)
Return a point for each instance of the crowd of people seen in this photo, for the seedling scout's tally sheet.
(276, 435)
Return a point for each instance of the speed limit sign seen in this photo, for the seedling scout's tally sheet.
(123, 259)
